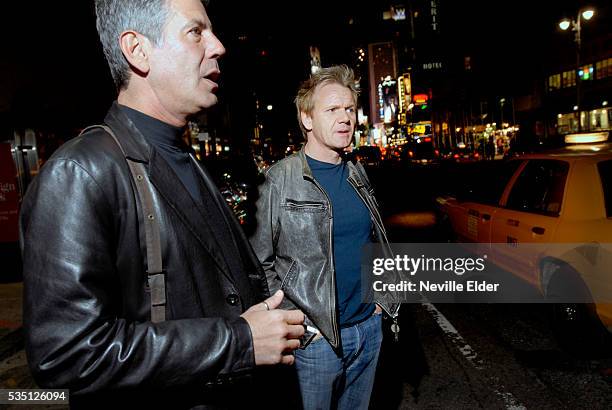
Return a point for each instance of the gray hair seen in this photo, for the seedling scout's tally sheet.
(113, 17)
(337, 74)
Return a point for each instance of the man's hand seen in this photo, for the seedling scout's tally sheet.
(378, 309)
(275, 332)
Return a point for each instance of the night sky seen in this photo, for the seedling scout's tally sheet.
(53, 73)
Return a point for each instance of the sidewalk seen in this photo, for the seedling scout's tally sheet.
(11, 288)
(11, 337)
(10, 263)
(10, 306)
(14, 371)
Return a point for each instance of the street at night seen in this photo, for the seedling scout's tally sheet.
(450, 355)
(479, 126)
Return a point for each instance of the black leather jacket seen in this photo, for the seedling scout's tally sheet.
(293, 240)
(86, 300)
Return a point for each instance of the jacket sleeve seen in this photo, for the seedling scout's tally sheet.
(76, 336)
(265, 237)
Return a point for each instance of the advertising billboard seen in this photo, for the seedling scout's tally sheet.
(9, 196)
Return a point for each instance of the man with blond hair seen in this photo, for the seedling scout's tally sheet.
(314, 214)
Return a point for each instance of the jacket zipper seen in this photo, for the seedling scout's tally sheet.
(331, 258)
(374, 213)
(311, 205)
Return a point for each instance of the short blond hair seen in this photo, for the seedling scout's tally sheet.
(337, 74)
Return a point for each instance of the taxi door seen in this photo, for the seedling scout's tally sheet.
(529, 215)
(478, 222)
(486, 190)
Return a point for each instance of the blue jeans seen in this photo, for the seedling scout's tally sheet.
(328, 381)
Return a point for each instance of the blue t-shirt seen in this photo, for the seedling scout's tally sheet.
(352, 229)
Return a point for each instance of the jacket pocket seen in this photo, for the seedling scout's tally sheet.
(303, 206)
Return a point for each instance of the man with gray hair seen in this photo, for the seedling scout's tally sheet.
(314, 214)
(140, 288)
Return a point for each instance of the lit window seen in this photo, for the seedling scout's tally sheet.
(600, 70)
(554, 82)
(569, 78)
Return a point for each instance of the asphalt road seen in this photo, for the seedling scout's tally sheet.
(466, 356)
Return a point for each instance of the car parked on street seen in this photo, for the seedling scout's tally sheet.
(422, 152)
(368, 155)
(463, 155)
(556, 197)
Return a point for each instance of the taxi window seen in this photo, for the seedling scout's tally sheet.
(487, 181)
(539, 188)
(605, 172)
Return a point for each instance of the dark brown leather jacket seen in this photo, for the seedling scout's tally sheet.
(86, 300)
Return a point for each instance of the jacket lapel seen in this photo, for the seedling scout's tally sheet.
(188, 210)
(249, 260)
(167, 184)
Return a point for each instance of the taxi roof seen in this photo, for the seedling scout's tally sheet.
(575, 151)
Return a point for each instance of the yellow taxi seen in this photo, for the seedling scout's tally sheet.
(550, 198)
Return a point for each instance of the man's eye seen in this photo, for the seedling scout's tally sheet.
(196, 30)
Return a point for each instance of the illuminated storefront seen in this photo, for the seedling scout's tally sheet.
(594, 120)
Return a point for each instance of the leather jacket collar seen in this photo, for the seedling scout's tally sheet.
(293, 240)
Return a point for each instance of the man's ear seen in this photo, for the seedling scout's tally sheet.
(135, 48)
(306, 121)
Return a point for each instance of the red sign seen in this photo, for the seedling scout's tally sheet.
(9, 196)
(420, 99)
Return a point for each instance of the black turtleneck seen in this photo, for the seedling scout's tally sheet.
(167, 141)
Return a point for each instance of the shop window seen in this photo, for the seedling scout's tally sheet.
(600, 119)
(567, 123)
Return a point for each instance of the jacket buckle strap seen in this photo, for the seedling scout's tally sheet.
(156, 279)
(157, 284)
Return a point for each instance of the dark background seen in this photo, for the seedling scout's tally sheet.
(53, 74)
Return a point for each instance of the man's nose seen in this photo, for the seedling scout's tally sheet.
(345, 116)
(216, 48)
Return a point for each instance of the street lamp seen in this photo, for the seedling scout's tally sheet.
(576, 24)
